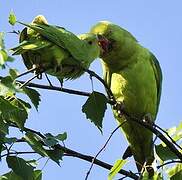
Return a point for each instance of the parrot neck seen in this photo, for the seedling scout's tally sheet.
(123, 54)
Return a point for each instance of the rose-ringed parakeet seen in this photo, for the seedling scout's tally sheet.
(134, 76)
(56, 51)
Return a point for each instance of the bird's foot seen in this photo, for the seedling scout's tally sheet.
(148, 118)
(119, 107)
(61, 81)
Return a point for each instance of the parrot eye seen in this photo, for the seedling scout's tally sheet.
(90, 42)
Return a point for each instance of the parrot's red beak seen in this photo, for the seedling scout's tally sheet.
(103, 43)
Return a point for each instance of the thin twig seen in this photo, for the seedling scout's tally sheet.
(29, 80)
(103, 164)
(169, 162)
(55, 88)
(28, 129)
(103, 147)
(27, 72)
(108, 90)
(17, 153)
(48, 79)
(165, 132)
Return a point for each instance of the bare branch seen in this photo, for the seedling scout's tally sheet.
(55, 88)
(108, 90)
(17, 153)
(152, 128)
(27, 72)
(103, 147)
(169, 162)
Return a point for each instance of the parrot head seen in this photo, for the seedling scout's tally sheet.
(91, 41)
(101, 29)
(114, 41)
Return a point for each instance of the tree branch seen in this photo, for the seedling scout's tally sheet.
(104, 146)
(169, 162)
(108, 90)
(165, 132)
(70, 152)
(152, 128)
(55, 88)
(16, 153)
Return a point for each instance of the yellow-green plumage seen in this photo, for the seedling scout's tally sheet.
(134, 76)
(55, 50)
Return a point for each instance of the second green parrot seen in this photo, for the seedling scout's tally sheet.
(134, 76)
(56, 51)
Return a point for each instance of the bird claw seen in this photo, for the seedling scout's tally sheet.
(119, 107)
(148, 118)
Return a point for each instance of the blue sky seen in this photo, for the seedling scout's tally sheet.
(156, 24)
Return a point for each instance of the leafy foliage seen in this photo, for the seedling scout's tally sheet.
(20, 167)
(12, 18)
(33, 95)
(116, 168)
(4, 57)
(164, 153)
(175, 173)
(95, 108)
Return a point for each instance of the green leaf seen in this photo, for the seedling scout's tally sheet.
(10, 59)
(50, 140)
(156, 176)
(175, 132)
(7, 87)
(2, 136)
(165, 153)
(2, 46)
(3, 57)
(12, 18)
(10, 176)
(177, 176)
(20, 167)
(14, 110)
(37, 175)
(33, 95)
(4, 127)
(33, 163)
(55, 154)
(13, 73)
(36, 143)
(95, 108)
(175, 172)
(116, 168)
(61, 137)
(10, 140)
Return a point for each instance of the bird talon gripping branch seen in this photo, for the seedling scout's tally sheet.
(119, 108)
(148, 119)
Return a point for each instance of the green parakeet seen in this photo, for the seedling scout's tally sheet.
(134, 76)
(56, 51)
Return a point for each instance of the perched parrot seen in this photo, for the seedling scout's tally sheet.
(134, 75)
(56, 51)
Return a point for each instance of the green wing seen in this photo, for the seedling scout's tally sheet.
(29, 44)
(158, 76)
(63, 38)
